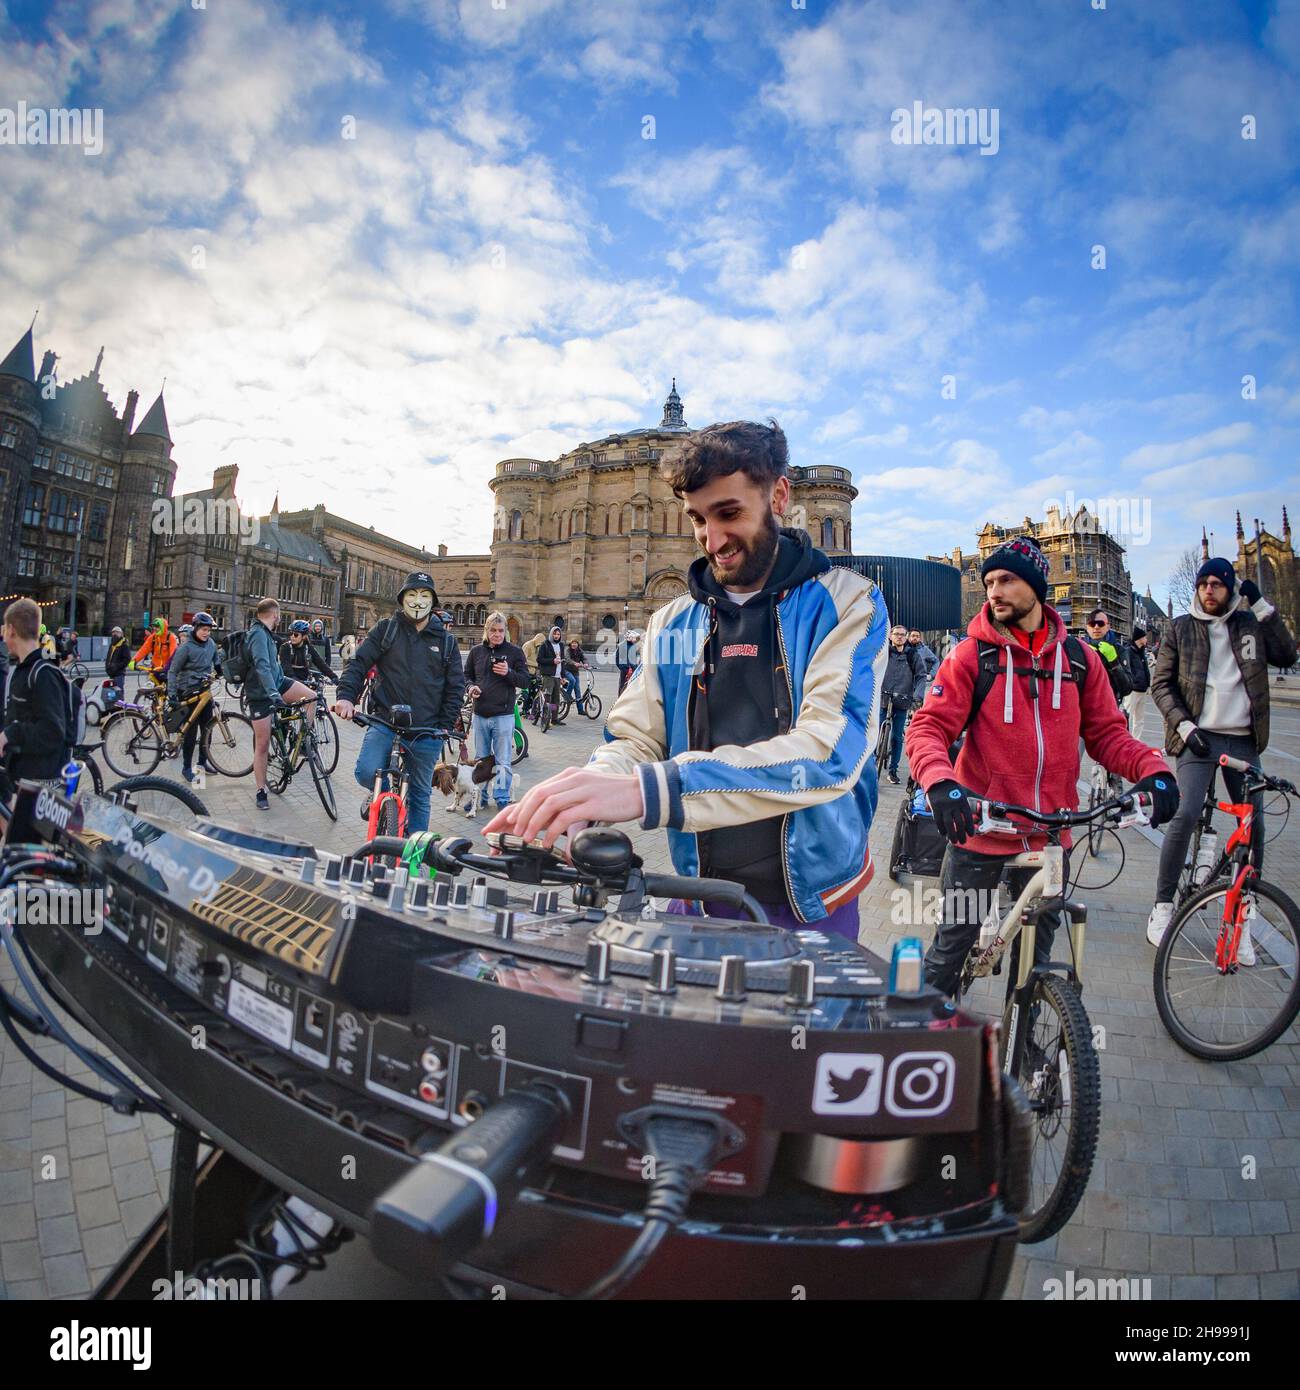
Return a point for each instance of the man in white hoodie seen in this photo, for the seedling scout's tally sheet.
(1211, 686)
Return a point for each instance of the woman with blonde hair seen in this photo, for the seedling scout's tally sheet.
(495, 671)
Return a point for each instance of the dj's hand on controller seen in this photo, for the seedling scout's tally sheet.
(563, 804)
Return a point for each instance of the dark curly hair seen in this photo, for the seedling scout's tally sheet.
(740, 446)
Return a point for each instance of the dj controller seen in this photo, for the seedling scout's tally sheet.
(507, 1073)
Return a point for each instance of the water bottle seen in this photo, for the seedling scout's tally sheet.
(71, 775)
(992, 923)
(1207, 855)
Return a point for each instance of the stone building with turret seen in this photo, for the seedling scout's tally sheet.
(77, 484)
(596, 537)
(1271, 562)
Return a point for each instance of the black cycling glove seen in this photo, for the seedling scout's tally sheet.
(953, 813)
(1250, 592)
(1162, 788)
(1197, 744)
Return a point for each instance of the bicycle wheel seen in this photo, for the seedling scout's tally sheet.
(1061, 1078)
(591, 706)
(389, 820)
(1222, 1015)
(78, 671)
(234, 689)
(88, 763)
(162, 799)
(322, 780)
(896, 849)
(228, 744)
(562, 710)
(883, 741)
(1096, 828)
(520, 751)
(546, 715)
(327, 739)
(132, 744)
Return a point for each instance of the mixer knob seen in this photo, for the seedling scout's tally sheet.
(460, 895)
(731, 978)
(357, 872)
(803, 988)
(420, 895)
(333, 869)
(308, 871)
(397, 895)
(597, 971)
(503, 924)
(541, 900)
(401, 874)
(478, 893)
(663, 971)
(441, 892)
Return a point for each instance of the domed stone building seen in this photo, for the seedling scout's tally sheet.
(595, 537)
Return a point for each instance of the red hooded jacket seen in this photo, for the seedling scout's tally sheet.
(1022, 750)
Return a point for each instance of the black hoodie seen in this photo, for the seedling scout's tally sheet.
(748, 699)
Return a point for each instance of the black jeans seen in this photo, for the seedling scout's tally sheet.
(968, 880)
(1193, 778)
(192, 733)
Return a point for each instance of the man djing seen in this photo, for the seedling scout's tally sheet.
(748, 728)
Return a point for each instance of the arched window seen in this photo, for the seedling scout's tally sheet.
(459, 615)
(828, 534)
(679, 523)
(516, 526)
(607, 523)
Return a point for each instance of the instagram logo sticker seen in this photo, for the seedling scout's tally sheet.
(920, 1083)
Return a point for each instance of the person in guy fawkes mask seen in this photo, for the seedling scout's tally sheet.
(418, 663)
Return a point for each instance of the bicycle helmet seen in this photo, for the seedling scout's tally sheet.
(203, 620)
(185, 629)
(299, 626)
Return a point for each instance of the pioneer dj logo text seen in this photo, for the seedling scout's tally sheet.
(916, 1084)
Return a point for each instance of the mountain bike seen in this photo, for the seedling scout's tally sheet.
(539, 709)
(1227, 970)
(324, 725)
(588, 701)
(293, 743)
(136, 737)
(157, 797)
(1046, 1040)
(389, 798)
(1103, 786)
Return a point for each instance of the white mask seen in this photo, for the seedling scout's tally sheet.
(417, 604)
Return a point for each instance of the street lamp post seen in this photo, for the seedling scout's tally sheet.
(76, 570)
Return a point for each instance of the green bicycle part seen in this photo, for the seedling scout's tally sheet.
(417, 846)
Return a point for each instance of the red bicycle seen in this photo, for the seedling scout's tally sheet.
(1227, 972)
(389, 796)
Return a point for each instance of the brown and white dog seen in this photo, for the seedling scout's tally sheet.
(464, 783)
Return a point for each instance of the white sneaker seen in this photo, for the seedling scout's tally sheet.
(1158, 922)
(1246, 947)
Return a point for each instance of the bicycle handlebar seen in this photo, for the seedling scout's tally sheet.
(363, 719)
(1257, 774)
(1130, 808)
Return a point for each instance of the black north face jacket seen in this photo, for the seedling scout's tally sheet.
(420, 669)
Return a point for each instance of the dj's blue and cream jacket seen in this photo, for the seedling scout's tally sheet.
(818, 774)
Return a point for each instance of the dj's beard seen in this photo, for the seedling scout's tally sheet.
(1018, 611)
(757, 558)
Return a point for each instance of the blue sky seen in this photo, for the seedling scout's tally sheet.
(500, 263)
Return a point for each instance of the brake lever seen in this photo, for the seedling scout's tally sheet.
(989, 823)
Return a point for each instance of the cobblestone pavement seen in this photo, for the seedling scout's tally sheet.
(1167, 1200)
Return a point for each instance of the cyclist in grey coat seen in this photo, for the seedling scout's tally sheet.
(197, 660)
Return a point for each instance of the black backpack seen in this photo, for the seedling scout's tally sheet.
(992, 662)
(237, 663)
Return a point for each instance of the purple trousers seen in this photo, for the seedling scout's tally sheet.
(842, 922)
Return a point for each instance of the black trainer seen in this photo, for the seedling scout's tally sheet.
(263, 801)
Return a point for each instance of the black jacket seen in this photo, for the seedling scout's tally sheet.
(547, 663)
(747, 699)
(36, 719)
(298, 661)
(118, 658)
(498, 695)
(420, 669)
(321, 645)
(904, 669)
(1139, 670)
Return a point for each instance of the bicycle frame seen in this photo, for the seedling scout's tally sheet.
(399, 784)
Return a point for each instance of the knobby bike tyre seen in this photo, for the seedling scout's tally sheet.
(132, 744)
(87, 760)
(389, 819)
(520, 751)
(896, 849)
(327, 740)
(228, 744)
(322, 780)
(883, 741)
(1178, 950)
(1096, 830)
(160, 787)
(1050, 1207)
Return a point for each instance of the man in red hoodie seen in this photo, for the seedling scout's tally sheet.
(1022, 746)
